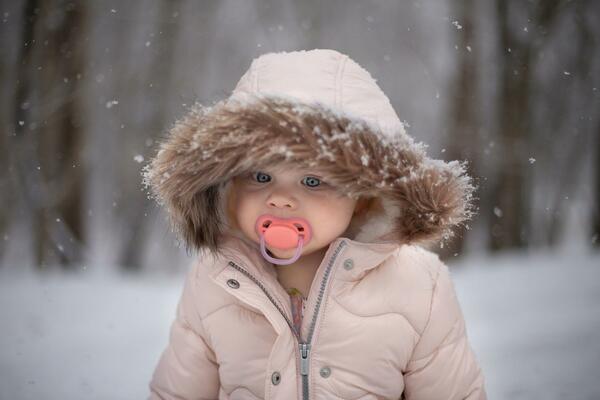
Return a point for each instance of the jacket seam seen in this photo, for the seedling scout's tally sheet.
(441, 346)
(336, 300)
(255, 77)
(225, 306)
(160, 395)
(245, 388)
(208, 344)
(339, 86)
(202, 335)
(433, 292)
(438, 348)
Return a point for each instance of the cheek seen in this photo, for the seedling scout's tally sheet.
(246, 211)
(334, 215)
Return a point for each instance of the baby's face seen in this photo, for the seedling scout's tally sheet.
(290, 193)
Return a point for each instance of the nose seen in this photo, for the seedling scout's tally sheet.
(282, 201)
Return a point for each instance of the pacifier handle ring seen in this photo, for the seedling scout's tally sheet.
(277, 260)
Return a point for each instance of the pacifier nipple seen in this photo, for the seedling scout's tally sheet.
(282, 233)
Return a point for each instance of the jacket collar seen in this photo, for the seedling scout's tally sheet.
(364, 257)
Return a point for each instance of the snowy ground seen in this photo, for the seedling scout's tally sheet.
(533, 323)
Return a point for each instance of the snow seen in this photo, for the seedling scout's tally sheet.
(364, 160)
(532, 320)
(82, 337)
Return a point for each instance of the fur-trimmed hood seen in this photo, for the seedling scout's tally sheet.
(314, 109)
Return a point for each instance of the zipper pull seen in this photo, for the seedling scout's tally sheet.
(304, 354)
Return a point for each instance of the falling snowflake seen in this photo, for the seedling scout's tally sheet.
(456, 24)
(531, 160)
(497, 212)
(365, 160)
(139, 158)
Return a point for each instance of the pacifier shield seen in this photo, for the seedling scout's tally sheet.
(283, 233)
(282, 237)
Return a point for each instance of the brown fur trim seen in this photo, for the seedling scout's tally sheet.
(414, 199)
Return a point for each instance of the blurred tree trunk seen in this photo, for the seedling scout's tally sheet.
(569, 116)
(463, 131)
(509, 214)
(595, 225)
(156, 90)
(8, 198)
(24, 143)
(62, 125)
(49, 128)
(511, 188)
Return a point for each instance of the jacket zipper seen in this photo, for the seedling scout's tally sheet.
(304, 347)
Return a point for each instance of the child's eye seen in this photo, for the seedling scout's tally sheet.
(312, 182)
(309, 181)
(261, 177)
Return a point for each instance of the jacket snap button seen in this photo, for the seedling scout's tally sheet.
(348, 264)
(276, 378)
(325, 372)
(233, 283)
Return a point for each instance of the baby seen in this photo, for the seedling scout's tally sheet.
(311, 208)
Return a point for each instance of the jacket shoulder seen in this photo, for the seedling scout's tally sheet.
(425, 262)
(415, 272)
(207, 296)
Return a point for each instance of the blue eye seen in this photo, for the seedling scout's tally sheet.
(260, 177)
(312, 180)
(309, 181)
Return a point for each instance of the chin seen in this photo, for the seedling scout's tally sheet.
(287, 253)
(280, 253)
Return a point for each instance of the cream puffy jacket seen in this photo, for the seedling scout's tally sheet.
(382, 321)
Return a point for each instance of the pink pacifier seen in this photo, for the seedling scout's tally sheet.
(282, 233)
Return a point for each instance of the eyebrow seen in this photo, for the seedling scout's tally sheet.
(312, 173)
(301, 172)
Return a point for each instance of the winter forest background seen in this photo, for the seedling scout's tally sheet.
(90, 272)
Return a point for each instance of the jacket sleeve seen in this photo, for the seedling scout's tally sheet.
(443, 365)
(187, 368)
